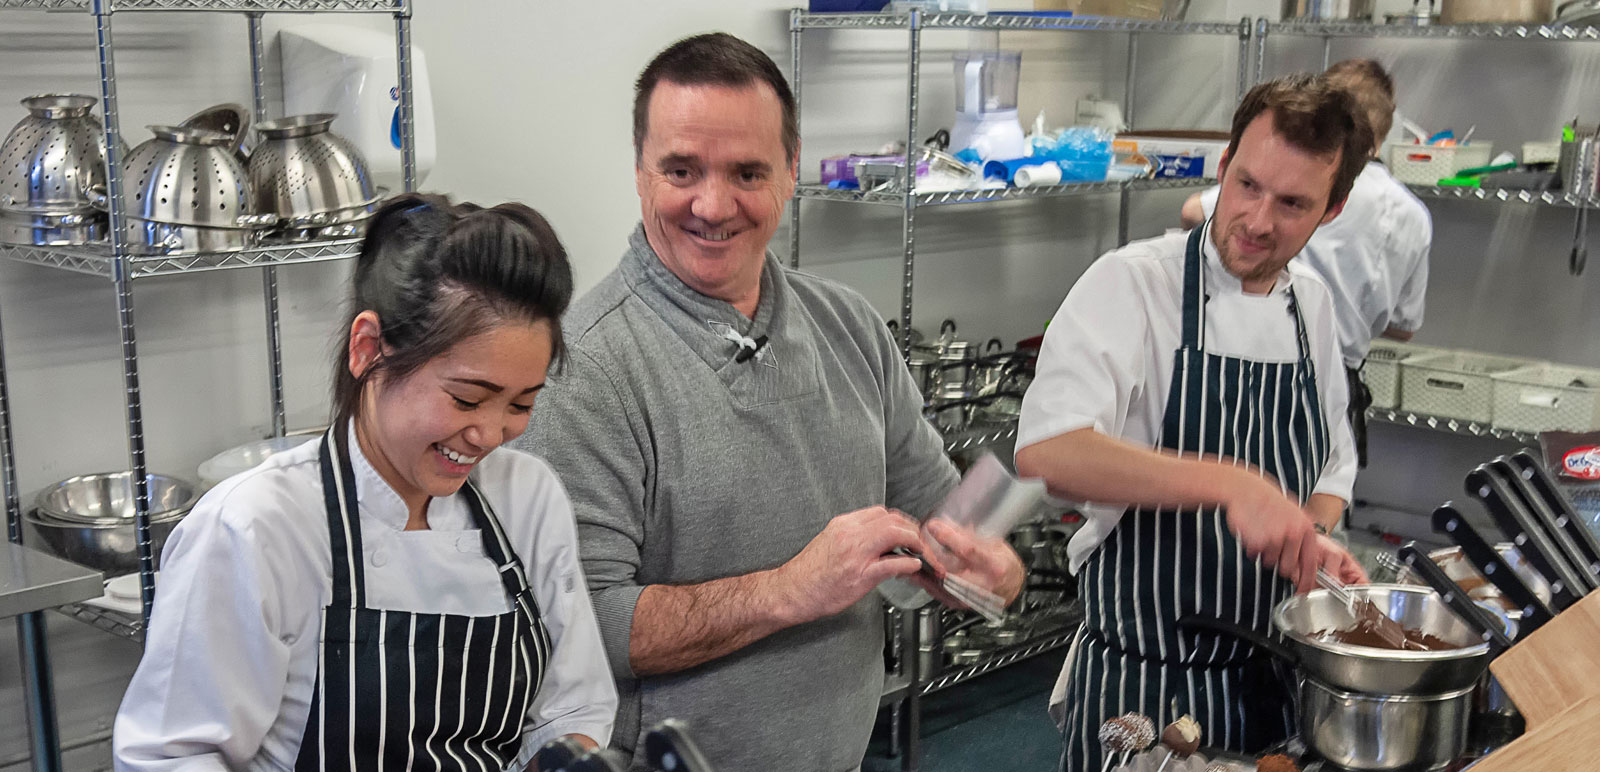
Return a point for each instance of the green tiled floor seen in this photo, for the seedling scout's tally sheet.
(994, 722)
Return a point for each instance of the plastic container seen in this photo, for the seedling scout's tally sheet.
(1453, 384)
(1427, 164)
(1548, 397)
(1382, 370)
(246, 457)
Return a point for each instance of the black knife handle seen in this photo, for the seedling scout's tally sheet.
(1528, 536)
(1447, 520)
(1584, 541)
(667, 747)
(1482, 623)
(1540, 510)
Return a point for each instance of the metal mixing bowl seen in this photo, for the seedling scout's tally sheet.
(89, 519)
(1381, 671)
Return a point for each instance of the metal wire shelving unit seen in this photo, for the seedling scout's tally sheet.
(904, 690)
(117, 261)
(1526, 33)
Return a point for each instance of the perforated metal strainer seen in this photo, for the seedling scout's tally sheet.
(313, 179)
(185, 191)
(52, 158)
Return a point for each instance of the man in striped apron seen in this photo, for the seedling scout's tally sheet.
(1191, 388)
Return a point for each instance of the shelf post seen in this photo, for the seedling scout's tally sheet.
(908, 217)
(1246, 39)
(269, 275)
(1261, 48)
(796, 35)
(408, 132)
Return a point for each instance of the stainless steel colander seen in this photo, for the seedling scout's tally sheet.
(185, 192)
(230, 119)
(313, 179)
(49, 165)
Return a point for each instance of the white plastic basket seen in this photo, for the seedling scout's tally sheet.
(1381, 372)
(1427, 164)
(1547, 397)
(1453, 384)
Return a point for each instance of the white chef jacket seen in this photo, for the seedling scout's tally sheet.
(231, 653)
(1374, 258)
(1107, 359)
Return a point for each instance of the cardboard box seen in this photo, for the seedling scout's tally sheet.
(1177, 144)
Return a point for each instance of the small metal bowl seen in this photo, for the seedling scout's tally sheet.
(89, 519)
(106, 499)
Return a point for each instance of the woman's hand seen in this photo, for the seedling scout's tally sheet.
(989, 563)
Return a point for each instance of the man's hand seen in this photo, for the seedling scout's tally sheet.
(1275, 529)
(989, 563)
(1341, 563)
(845, 562)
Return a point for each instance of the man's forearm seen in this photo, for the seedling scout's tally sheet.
(1395, 333)
(1086, 465)
(1326, 510)
(676, 627)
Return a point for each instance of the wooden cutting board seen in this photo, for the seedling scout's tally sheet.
(1562, 744)
(1556, 667)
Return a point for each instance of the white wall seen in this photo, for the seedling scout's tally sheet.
(533, 103)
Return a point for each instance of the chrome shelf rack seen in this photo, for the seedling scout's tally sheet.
(1533, 33)
(118, 262)
(1457, 426)
(988, 196)
(903, 693)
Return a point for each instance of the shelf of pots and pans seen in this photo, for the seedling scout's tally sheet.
(313, 179)
(89, 519)
(51, 162)
(186, 192)
(1328, 10)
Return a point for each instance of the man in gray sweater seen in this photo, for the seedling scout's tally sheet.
(716, 414)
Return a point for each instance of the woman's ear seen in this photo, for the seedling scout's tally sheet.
(366, 342)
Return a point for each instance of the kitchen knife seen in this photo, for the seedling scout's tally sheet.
(1482, 623)
(1583, 539)
(1546, 517)
(1529, 537)
(668, 748)
(1535, 612)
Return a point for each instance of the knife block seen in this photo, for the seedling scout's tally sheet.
(1556, 667)
(1560, 744)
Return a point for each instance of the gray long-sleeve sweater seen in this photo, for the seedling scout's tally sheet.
(685, 466)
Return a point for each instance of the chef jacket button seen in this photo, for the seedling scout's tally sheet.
(380, 557)
(464, 543)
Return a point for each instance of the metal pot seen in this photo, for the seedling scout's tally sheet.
(315, 180)
(1328, 10)
(1496, 11)
(924, 367)
(186, 192)
(1378, 733)
(90, 519)
(51, 229)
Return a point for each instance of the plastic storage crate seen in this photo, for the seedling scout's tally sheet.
(1453, 384)
(1547, 397)
(1427, 164)
(1382, 370)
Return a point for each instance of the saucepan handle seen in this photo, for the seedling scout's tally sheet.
(1198, 623)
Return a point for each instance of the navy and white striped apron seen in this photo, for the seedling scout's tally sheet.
(1159, 565)
(397, 690)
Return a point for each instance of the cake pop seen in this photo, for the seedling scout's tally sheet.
(1182, 738)
(1126, 734)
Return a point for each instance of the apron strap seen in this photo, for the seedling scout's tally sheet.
(1194, 307)
(344, 523)
(497, 547)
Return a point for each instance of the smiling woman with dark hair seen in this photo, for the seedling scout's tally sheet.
(403, 593)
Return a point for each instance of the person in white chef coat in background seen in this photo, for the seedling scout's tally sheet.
(1374, 255)
(403, 592)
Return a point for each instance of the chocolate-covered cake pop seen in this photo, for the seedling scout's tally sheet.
(1182, 736)
(1277, 762)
